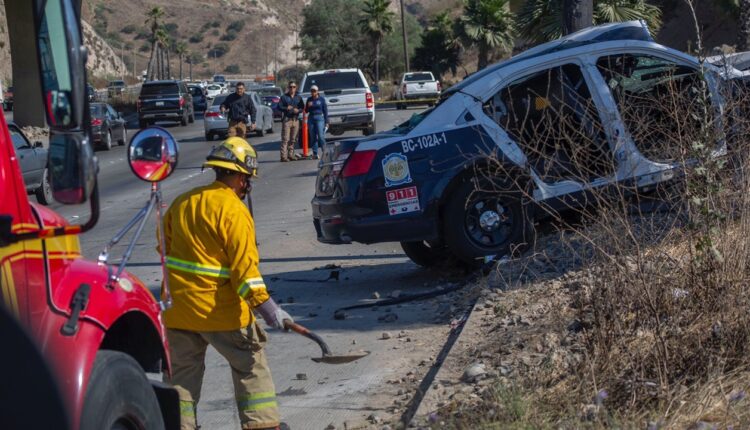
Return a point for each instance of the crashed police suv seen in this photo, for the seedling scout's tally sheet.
(541, 116)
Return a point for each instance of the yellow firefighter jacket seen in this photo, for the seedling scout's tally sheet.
(212, 261)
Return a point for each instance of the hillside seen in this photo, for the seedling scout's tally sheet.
(246, 36)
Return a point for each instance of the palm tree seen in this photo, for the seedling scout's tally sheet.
(180, 49)
(440, 50)
(154, 22)
(162, 40)
(542, 20)
(488, 25)
(376, 22)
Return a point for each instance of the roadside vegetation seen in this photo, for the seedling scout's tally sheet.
(631, 313)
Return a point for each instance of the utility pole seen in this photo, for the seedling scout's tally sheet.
(403, 35)
(577, 15)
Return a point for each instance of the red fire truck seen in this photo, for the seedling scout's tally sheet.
(97, 327)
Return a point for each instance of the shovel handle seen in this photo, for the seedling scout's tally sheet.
(288, 324)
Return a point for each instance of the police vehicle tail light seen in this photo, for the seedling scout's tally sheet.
(359, 163)
(369, 100)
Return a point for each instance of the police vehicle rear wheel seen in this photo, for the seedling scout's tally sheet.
(119, 396)
(482, 219)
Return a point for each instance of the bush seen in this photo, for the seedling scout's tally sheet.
(171, 28)
(215, 24)
(129, 29)
(146, 47)
(196, 38)
(236, 26)
(232, 68)
(218, 50)
(215, 32)
(229, 36)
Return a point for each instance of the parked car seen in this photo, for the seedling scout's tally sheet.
(351, 105)
(416, 184)
(168, 100)
(33, 161)
(271, 97)
(200, 101)
(107, 126)
(8, 99)
(417, 86)
(219, 79)
(217, 124)
(213, 90)
(115, 88)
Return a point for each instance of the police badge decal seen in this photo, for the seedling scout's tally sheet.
(396, 170)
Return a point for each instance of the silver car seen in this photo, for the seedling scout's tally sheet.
(216, 124)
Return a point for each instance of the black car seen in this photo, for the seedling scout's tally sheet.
(33, 161)
(107, 126)
(168, 100)
(200, 102)
(271, 97)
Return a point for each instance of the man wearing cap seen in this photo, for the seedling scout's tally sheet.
(212, 263)
(291, 106)
(239, 106)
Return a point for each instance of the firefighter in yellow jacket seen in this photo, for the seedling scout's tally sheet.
(216, 285)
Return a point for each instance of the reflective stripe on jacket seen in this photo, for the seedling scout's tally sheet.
(212, 261)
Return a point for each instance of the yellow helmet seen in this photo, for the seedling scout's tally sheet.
(234, 154)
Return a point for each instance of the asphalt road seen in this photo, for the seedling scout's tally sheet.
(311, 395)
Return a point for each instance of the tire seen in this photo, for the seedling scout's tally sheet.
(477, 223)
(119, 396)
(369, 130)
(424, 254)
(209, 136)
(184, 119)
(124, 139)
(259, 132)
(142, 123)
(107, 143)
(44, 192)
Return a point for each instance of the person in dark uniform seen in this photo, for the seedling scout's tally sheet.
(239, 106)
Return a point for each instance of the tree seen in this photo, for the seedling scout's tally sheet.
(542, 20)
(376, 22)
(743, 38)
(180, 50)
(154, 18)
(488, 25)
(578, 14)
(440, 50)
(329, 38)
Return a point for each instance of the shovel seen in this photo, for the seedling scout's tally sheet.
(327, 357)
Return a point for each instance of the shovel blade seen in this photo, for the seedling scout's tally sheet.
(341, 359)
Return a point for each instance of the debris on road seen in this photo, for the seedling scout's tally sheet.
(388, 318)
(302, 376)
(375, 295)
(385, 335)
(328, 267)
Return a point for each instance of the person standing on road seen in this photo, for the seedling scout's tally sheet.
(239, 106)
(291, 107)
(317, 120)
(212, 263)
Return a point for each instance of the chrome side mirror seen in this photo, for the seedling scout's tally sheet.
(152, 154)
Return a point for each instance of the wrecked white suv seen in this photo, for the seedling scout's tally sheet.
(552, 117)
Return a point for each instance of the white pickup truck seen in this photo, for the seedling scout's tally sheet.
(351, 105)
(420, 87)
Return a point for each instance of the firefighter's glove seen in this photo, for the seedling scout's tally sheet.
(273, 314)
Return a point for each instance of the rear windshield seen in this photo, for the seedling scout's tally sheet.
(271, 91)
(159, 89)
(117, 84)
(196, 91)
(213, 87)
(334, 81)
(414, 77)
(218, 100)
(97, 111)
(219, 78)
